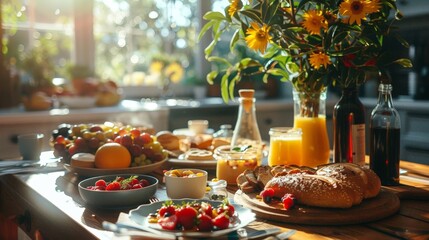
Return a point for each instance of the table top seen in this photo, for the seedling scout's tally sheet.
(56, 194)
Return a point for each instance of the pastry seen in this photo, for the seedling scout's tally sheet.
(198, 154)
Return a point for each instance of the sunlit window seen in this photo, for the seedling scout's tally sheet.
(38, 38)
(131, 35)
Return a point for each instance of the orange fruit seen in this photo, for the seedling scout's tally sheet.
(111, 156)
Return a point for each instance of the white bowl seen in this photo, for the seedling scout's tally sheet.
(118, 198)
(186, 187)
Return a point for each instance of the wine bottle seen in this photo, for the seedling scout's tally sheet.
(385, 130)
(349, 128)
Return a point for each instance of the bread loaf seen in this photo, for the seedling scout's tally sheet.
(312, 190)
(339, 185)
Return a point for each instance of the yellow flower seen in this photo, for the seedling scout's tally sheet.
(314, 21)
(318, 59)
(374, 5)
(174, 71)
(156, 67)
(356, 10)
(258, 37)
(234, 7)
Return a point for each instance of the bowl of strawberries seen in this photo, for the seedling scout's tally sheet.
(116, 191)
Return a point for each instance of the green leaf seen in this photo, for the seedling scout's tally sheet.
(219, 60)
(214, 16)
(206, 27)
(211, 77)
(252, 14)
(209, 49)
(404, 62)
(234, 40)
(224, 87)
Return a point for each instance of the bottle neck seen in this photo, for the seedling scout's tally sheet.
(385, 95)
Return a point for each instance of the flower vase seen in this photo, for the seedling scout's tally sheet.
(349, 128)
(310, 116)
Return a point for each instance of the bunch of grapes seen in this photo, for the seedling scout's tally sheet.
(87, 138)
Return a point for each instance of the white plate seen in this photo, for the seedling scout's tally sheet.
(93, 172)
(139, 216)
(182, 162)
(187, 132)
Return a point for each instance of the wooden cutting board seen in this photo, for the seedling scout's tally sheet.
(384, 205)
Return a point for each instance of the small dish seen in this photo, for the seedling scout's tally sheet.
(77, 101)
(192, 186)
(116, 198)
(188, 132)
(182, 162)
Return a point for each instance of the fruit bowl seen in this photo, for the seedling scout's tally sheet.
(117, 198)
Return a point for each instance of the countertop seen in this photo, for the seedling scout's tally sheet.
(54, 210)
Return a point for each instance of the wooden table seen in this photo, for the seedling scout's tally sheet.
(49, 205)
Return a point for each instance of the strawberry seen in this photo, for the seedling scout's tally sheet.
(136, 186)
(101, 183)
(113, 186)
(187, 216)
(288, 201)
(204, 223)
(206, 209)
(168, 223)
(144, 182)
(167, 209)
(221, 221)
(267, 195)
(226, 207)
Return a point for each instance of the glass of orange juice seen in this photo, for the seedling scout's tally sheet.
(231, 162)
(285, 146)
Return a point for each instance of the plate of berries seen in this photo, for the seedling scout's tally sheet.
(192, 218)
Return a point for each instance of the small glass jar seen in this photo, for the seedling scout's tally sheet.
(285, 146)
(232, 162)
(218, 190)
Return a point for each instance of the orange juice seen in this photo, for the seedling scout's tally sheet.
(231, 163)
(285, 146)
(315, 141)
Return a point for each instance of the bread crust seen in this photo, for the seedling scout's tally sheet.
(338, 185)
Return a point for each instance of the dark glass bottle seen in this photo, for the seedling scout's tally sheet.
(349, 128)
(385, 129)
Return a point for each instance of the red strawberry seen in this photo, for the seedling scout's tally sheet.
(100, 183)
(205, 223)
(113, 186)
(267, 195)
(144, 182)
(288, 201)
(136, 186)
(206, 209)
(221, 221)
(187, 216)
(168, 223)
(167, 210)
